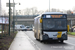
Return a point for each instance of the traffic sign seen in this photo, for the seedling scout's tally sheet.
(11, 4)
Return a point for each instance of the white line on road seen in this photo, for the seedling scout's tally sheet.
(32, 42)
(69, 43)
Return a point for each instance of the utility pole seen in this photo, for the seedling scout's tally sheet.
(13, 15)
(16, 14)
(9, 16)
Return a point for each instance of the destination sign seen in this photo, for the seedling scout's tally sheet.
(56, 16)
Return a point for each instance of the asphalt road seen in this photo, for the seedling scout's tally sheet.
(67, 45)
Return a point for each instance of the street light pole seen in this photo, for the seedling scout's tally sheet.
(9, 16)
(16, 14)
(49, 5)
(13, 15)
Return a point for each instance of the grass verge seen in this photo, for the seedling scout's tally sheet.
(71, 33)
(6, 40)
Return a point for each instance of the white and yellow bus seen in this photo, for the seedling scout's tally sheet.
(51, 26)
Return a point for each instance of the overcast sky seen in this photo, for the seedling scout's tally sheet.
(42, 4)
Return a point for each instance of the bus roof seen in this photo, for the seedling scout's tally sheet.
(49, 13)
(53, 13)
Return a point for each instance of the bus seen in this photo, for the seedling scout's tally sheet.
(51, 26)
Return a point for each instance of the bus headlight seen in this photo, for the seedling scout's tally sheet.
(44, 33)
(65, 33)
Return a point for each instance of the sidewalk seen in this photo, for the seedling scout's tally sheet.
(21, 42)
(71, 36)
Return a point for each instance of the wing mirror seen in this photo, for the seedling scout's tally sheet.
(67, 28)
(40, 20)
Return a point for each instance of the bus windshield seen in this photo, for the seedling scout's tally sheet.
(54, 24)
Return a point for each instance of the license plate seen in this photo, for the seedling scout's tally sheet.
(55, 38)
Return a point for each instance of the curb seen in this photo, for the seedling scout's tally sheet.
(71, 35)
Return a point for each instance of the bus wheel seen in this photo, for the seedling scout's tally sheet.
(40, 38)
(35, 35)
(36, 39)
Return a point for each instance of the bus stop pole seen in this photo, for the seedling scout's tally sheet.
(9, 17)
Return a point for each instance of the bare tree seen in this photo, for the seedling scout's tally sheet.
(53, 10)
(40, 12)
(57, 10)
(34, 11)
(74, 10)
(17, 13)
(69, 12)
(47, 11)
(27, 11)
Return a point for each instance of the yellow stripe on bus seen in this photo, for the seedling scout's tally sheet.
(59, 34)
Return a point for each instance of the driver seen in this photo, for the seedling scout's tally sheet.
(59, 26)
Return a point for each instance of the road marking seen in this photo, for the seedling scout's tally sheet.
(32, 42)
(71, 38)
(40, 49)
(70, 43)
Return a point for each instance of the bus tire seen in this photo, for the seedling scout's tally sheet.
(35, 35)
(36, 39)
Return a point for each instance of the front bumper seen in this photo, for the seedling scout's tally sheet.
(63, 37)
(23, 29)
